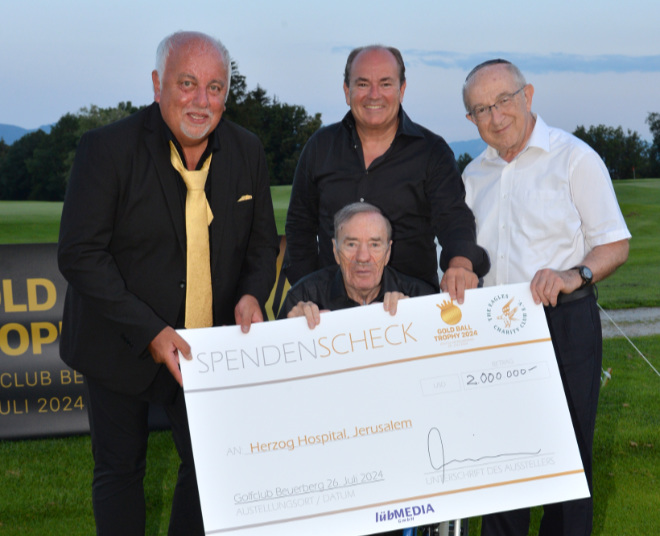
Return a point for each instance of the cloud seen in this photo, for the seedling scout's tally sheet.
(539, 63)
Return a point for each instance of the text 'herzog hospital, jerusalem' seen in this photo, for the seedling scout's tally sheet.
(305, 440)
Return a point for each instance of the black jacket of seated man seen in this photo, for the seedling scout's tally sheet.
(325, 288)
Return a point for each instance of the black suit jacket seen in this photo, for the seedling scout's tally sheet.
(122, 243)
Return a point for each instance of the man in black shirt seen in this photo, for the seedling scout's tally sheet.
(362, 247)
(378, 155)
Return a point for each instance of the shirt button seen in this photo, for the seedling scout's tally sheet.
(361, 199)
(182, 284)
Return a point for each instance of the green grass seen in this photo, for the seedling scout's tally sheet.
(281, 196)
(46, 486)
(635, 284)
(34, 222)
(29, 222)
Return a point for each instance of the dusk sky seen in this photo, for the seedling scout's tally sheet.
(591, 62)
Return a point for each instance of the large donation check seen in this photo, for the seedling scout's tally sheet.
(373, 422)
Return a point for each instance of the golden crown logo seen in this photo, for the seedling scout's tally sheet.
(449, 312)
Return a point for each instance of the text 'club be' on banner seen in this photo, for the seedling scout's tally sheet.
(39, 395)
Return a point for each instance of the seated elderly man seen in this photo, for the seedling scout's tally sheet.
(362, 246)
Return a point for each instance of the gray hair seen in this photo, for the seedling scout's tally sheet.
(178, 39)
(394, 51)
(349, 211)
(517, 76)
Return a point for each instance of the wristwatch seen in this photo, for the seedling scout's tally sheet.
(586, 275)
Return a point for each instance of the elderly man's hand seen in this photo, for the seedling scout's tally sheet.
(309, 310)
(458, 278)
(391, 299)
(165, 348)
(247, 312)
(547, 284)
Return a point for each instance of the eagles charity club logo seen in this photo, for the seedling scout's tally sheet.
(506, 314)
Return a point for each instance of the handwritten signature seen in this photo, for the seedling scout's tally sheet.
(436, 451)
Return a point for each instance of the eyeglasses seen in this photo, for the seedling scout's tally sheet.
(483, 113)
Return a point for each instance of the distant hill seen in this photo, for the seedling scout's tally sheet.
(10, 133)
(472, 147)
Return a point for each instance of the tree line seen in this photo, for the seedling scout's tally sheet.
(37, 166)
(626, 155)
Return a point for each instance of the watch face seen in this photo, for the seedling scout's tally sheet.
(586, 274)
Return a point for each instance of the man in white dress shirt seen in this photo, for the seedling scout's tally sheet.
(546, 212)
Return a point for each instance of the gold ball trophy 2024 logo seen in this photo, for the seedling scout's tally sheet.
(451, 315)
(506, 314)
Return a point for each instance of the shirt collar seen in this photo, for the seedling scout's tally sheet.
(540, 137)
(211, 147)
(339, 298)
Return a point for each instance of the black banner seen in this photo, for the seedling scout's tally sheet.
(40, 396)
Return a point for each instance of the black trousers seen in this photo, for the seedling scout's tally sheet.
(119, 431)
(578, 343)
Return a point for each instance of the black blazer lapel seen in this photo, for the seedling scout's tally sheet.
(222, 201)
(160, 155)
